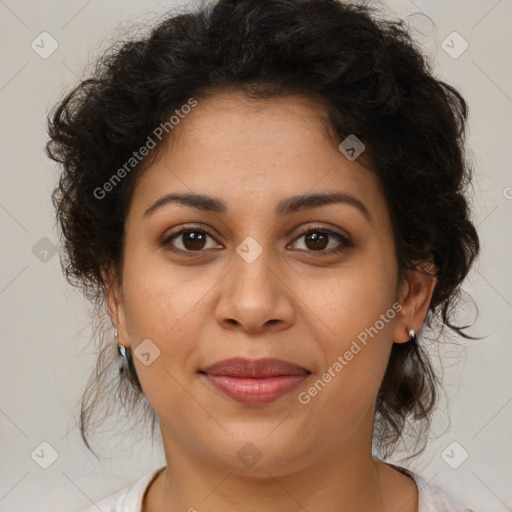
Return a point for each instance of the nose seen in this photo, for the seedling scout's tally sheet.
(255, 296)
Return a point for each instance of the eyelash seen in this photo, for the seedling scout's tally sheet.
(345, 241)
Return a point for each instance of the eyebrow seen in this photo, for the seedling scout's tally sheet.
(285, 207)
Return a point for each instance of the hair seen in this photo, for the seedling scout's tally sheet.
(373, 81)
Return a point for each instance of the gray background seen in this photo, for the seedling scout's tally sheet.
(45, 324)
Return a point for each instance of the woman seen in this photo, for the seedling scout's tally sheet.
(269, 200)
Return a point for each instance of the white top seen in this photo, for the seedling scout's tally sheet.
(430, 497)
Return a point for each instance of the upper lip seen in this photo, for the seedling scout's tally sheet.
(256, 368)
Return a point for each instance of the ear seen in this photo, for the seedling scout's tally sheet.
(415, 295)
(115, 304)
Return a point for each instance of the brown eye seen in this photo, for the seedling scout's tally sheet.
(318, 239)
(189, 240)
(193, 240)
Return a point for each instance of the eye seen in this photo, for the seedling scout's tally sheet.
(317, 239)
(191, 239)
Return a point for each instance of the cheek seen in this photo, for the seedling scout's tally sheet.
(158, 299)
(355, 318)
(351, 300)
(159, 306)
(346, 388)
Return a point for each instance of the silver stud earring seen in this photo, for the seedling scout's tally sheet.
(412, 334)
(122, 349)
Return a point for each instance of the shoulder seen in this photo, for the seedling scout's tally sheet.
(432, 498)
(128, 499)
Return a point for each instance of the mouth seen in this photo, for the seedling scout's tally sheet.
(254, 381)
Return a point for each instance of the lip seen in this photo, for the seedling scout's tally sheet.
(255, 381)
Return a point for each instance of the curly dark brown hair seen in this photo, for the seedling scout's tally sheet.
(374, 82)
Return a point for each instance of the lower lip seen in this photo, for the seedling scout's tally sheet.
(252, 391)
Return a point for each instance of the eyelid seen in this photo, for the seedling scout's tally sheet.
(328, 230)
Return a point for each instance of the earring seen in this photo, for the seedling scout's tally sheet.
(122, 348)
(412, 334)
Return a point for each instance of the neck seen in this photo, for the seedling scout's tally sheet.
(340, 481)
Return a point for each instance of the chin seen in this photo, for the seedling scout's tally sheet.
(259, 454)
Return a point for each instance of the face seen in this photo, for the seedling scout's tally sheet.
(256, 275)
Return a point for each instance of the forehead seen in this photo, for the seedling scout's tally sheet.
(256, 151)
(238, 126)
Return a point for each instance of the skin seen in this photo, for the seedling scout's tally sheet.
(290, 303)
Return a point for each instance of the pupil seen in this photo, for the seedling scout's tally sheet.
(196, 239)
(316, 238)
